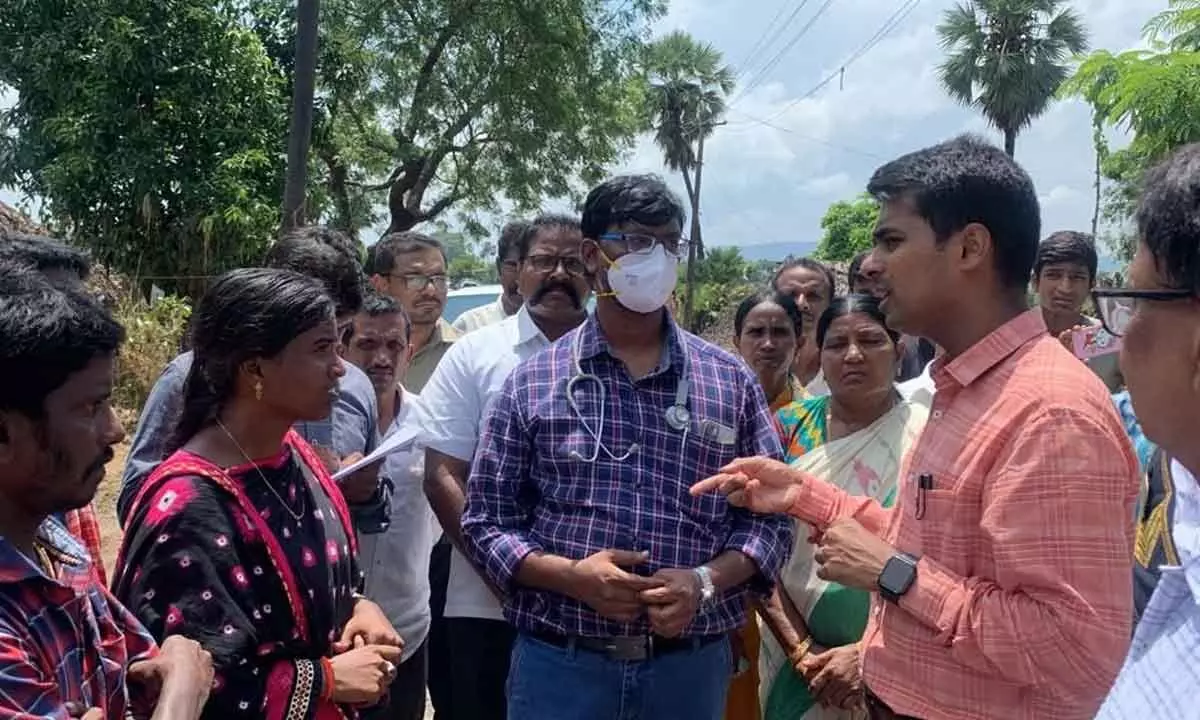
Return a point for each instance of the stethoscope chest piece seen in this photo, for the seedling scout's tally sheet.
(679, 417)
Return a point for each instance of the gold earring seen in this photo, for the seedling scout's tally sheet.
(258, 389)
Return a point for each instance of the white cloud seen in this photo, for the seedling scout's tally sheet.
(788, 152)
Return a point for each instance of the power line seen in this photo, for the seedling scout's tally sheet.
(774, 61)
(810, 138)
(774, 29)
(884, 30)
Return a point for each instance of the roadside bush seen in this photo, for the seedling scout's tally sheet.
(155, 330)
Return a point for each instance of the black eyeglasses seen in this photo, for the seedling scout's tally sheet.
(1116, 306)
(641, 244)
(550, 263)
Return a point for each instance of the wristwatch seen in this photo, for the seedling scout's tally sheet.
(897, 576)
(708, 591)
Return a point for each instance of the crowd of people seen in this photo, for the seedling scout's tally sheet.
(916, 499)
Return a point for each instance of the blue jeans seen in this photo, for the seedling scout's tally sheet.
(553, 683)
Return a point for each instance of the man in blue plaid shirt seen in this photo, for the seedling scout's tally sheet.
(623, 587)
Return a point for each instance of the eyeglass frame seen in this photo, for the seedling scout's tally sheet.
(1163, 295)
(427, 280)
(681, 244)
(559, 261)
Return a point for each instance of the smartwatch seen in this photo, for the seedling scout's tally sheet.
(897, 576)
(708, 591)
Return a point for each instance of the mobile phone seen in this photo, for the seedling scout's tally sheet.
(1093, 341)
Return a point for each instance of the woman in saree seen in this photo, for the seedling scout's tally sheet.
(240, 540)
(767, 333)
(855, 438)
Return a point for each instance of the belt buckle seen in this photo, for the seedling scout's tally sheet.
(634, 648)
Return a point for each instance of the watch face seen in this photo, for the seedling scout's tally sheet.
(897, 575)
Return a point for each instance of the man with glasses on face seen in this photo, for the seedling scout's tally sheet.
(411, 268)
(1158, 320)
(552, 277)
(623, 588)
(508, 265)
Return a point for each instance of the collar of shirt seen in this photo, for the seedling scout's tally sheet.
(988, 352)
(443, 334)
(15, 567)
(527, 329)
(1185, 530)
(592, 343)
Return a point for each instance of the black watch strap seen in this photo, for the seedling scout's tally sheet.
(898, 575)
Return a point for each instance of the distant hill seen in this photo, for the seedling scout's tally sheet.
(776, 251)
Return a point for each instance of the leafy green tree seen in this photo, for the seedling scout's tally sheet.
(428, 105)
(848, 226)
(1155, 93)
(153, 129)
(1007, 58)
(686, 100)
(722, 266)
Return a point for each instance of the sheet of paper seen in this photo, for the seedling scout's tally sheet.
(400, 438)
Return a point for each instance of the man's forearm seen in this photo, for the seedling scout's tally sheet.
(547, 572)
(731, 569)
(448, 501)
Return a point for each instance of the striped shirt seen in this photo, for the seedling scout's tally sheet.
(529, 490)
(1162, 672)
(1022, 604)
(63, 639)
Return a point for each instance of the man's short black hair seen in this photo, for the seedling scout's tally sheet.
(510, 240)
(376, 304)
(47, 334)
(1068, 246)
(1168, 217)
(337, 270)
(644, 199)
(809, 264)
(326, 235)
(383, 257)
(968, 180)
(543, 222)
(43, 254)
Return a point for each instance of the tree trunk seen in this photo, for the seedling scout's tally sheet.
(1097, 139)
(1010, 142)
(300, 133)
(693, 246)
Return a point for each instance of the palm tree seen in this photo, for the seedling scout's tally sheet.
(688, 84)
(1008, 57)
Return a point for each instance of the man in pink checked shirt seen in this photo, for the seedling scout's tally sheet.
(1002, 573)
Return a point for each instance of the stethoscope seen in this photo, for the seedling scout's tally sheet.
(678, 417)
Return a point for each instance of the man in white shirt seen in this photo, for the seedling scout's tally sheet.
(456, 399)
(507, 266)
(396, 562)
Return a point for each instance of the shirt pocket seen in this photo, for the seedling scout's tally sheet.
(702, 458)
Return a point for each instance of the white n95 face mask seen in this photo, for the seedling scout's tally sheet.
(642, 282)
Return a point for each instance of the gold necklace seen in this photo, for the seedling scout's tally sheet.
(44, 559)
(295, 515)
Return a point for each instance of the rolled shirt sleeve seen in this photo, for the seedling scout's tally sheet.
(453, 406)
(765, 539)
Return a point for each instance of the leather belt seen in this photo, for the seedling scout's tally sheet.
(879, 710)
(629, 648)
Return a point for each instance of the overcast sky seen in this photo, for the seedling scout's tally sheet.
(772, 181)
(792, 147)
